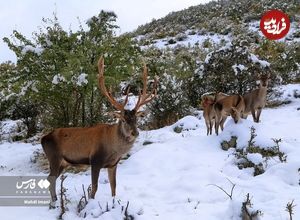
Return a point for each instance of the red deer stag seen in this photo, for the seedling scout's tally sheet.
(100, 146)
(255, 100)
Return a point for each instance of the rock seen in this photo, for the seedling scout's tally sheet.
(229, 144)
(12, 130)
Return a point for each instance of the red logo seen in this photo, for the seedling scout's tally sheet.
(274, 24)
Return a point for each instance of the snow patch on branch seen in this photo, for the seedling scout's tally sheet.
(81, 79)
(57, 79)
(29, 48)
(255, 59)
(238, 68)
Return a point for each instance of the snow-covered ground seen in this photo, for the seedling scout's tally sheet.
(294, 27)
(176, 176)
(212, 38)
(190, 40)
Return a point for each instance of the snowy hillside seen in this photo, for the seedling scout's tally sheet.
(188, 40)
(177, 175)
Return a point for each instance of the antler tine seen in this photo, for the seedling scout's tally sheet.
(127, 94)
(145, 75)
(103, 89)
(144, 97)
(138, 102)
(152, 94)
(144, 79)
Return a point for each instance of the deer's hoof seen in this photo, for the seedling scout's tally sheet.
(52, 205)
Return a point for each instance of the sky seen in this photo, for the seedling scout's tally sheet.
(26, 15)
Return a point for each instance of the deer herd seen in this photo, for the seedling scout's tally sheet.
(217, 107)
(103, 145)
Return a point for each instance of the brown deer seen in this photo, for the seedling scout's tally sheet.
(231, 105)
(100, 146)
(256, 99)
(209, 113)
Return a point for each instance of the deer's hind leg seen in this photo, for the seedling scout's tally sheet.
(217, 124)
(56, 168)
(222, 122)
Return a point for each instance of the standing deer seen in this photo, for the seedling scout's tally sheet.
(231, 105)
(209, 113)
(256, 99)
(100, 146)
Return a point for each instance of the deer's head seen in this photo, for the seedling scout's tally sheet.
(235, 114)
(264, 79)
(128, 117)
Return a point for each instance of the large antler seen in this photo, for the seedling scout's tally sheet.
(144, 98)
(103, 89)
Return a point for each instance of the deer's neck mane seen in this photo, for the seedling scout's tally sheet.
(123, 135)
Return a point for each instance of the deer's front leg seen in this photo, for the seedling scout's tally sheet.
(258, 114)
(253, 114)
(112, 172)
(211, 124)
(95, 176)
(207, 123)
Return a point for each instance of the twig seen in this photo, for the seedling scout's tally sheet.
(289, 208)
(82, 202)
(197, 205)
(84, 195)
(246, 214)
(231, 191)
(62, 196)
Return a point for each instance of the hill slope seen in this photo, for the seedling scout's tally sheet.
(216, 16)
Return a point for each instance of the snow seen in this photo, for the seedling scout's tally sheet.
(237, 68)
(227, 46)
(29, 48)
(187, 123)
(176, 176)
(256, 158)
(81, 79)
(207, 58)
(10, 129)
(191, 40)
(57, 79)
(27, 85)
(255, 59)
(132, 100)
(288, 93)
(294, 27)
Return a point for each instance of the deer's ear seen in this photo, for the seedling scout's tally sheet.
(117, 115)
(140, 114)
(257, 76)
